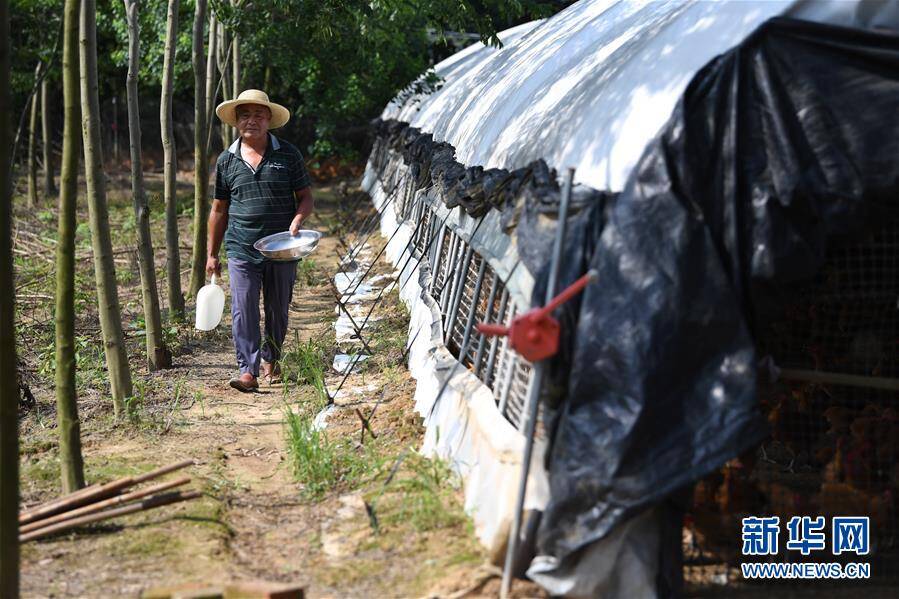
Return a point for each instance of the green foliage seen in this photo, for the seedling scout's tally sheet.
(333, 63)
(336, 63)
(90, 362)
(389, 335)
(307, 272)
(152, 21)
(422, 496)
(305, 364)
(321, 464)
(314, 458)
(34, 28)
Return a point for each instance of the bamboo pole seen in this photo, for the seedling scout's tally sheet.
(95, 492)
(101, 505)
(146, 504)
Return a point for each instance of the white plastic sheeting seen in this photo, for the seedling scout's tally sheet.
(462, 421)
(592, 85)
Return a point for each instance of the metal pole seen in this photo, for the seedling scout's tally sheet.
(435, 251)
(482, 342)
(839, 378)
(534, 394)
(449, 273)
(511, 364)
(457, 292)
(473, 309)
(494, 342)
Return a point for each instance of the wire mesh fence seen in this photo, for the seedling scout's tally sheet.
(833, 448)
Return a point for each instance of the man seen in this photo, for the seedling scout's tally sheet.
(261, 188)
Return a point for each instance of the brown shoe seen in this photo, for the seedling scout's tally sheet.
(271, 372)
(246, 383)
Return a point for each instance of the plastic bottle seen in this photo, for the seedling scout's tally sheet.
(210, 306)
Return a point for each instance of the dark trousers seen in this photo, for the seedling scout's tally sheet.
(276, 280)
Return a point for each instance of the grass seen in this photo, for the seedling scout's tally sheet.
(133, 543)
(35, 232)
(41, 475)
(315, 460)
(308, 272)
(421, 496)
(388, 336)
(322, 464)
(304, 364)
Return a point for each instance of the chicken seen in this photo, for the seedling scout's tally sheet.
(720, 502)
(737, 494)
(851, 463)
(716, 536)
(704, 491)
(838, 420)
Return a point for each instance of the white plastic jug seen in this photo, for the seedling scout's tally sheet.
(210, 305)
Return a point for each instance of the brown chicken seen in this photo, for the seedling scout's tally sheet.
(720, 502)
(737, 494)
(851, 464)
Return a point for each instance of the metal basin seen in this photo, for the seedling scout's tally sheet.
(284, 247)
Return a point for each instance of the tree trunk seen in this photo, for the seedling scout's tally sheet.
(70, 461)
(9, 392)
(158, 356)
(104, 268)
(222, 60)
(236, 65)
(211, 93)
(32, 146)
(170, 160)
(201, 165)
(49, 184)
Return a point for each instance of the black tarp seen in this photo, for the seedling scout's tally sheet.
(779, 149)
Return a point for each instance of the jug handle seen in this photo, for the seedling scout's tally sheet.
(213, 279)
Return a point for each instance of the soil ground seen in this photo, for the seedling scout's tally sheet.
(389, 525)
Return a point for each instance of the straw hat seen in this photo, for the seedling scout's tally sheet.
(227, 111)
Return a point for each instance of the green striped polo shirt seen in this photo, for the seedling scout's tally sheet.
(261, 201)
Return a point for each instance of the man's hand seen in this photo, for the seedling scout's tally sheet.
(296, 223)
(213, 266)
(304, 209)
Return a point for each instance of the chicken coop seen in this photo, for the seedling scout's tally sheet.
(833, 448)
(736, 358)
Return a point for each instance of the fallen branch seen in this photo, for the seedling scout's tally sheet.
(102, 505)
(94, 493)
(146, 504)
